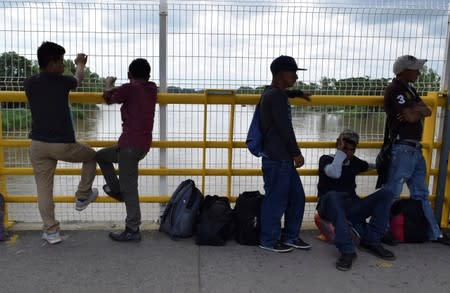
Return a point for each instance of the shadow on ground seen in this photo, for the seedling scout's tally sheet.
(87, 261)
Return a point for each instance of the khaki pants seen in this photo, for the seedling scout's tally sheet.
(44, 157)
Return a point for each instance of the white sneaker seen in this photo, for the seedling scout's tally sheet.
(52, 237)
(82, 204)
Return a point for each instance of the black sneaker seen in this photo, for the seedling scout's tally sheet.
(444, 239)
(345, 261)
(388, 239)
(378, 250)
(109, 192)
(278, 247)
(297, 243)
(126, 236)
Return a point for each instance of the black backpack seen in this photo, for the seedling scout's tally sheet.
(408, 222)
(215, 224)
(247, 214)
(178, 219)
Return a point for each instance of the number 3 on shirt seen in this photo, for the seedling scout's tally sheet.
(401, 99)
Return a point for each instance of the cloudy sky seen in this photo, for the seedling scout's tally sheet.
(227, 44)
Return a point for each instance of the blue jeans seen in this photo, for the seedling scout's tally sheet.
(284, 195)
(340, 208)
(408, 165)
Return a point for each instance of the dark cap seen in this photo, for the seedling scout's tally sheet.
(284, 63)
(351, 135)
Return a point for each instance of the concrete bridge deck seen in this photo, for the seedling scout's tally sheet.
(88, 261)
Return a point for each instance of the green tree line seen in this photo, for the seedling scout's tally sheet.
(428, 81)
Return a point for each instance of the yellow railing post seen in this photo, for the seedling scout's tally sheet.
(3, 188)
(428, 133)
(446, 206)
(205, 129)
(230, 146)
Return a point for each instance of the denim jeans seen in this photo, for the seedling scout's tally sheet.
(340, 208)
(127, 183)
(408, 165)
(284, 195)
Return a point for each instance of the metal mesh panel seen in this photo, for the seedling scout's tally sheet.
(348, 48)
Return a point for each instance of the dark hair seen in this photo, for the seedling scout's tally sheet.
(139, 68)
(49, 51)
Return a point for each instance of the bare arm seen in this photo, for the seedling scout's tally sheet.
(80, 63)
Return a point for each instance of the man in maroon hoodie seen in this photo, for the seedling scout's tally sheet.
(138, 99)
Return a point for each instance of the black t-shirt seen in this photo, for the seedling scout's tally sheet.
(397, 97)
(345, 183)
(48, 97)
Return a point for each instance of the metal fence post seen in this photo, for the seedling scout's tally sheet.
(163, 12)
(443, 165)
(445, 148)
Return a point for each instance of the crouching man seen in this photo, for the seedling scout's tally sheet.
(339, 203)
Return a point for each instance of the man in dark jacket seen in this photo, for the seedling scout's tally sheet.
(284, 190)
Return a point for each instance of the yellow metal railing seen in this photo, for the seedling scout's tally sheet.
(220, 97)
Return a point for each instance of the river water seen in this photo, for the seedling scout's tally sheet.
(185, 122)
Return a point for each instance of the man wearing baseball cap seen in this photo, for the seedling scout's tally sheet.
(283, 188)
(406, 112)
(339, 204)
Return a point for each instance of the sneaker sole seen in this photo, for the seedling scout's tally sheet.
(52, 242)
(87, 201)
(343, 269)
(131, 240)
(276, 250)
(298, 247)
(112, 195)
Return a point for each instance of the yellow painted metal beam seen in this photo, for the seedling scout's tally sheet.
(209, 144)
(107, 199)
(225, 99)
(181, 172)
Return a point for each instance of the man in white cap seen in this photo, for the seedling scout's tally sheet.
(405, 112)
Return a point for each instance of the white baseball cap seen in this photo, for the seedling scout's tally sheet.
(407, 62)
